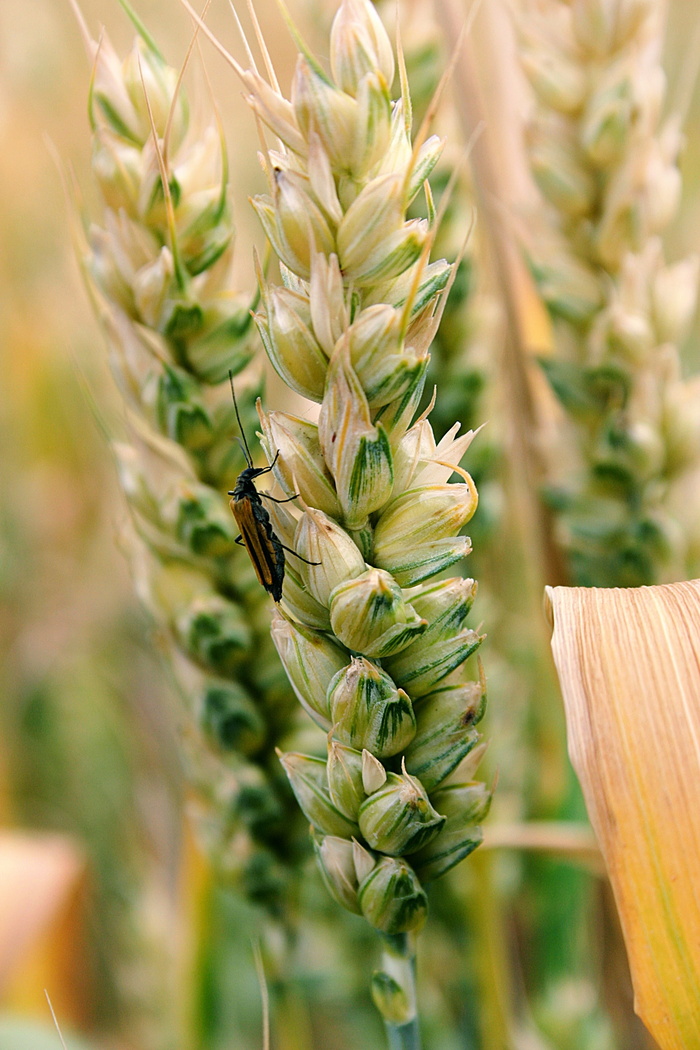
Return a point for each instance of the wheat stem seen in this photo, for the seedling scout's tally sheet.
(399, 962)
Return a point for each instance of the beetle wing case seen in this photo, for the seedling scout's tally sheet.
(263, 546)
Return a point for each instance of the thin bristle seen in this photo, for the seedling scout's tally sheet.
(213, 39)
(55, 1019)
(178, 85)
(299, 40)
(444, 204)
(264, 154)
(140, 28)
(162, 167)
(435, 226)
(445, 79)
(220, 126)
(267, 58)
(403, 78)
(93, 77)
(82, 26)
(244, 38)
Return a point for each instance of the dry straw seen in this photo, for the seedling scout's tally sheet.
(629, 667)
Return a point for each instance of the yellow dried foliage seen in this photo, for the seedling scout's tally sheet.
(629, 668)
(43, 891)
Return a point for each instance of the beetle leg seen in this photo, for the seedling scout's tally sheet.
(299, 556)
(266, 470)
(239, 541)
(275, 500)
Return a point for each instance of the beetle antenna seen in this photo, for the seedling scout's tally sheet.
(244, 443)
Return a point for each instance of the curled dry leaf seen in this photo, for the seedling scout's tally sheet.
(629, 667)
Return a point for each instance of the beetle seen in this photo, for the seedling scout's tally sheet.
(264, 547)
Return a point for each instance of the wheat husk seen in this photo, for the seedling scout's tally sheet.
(629, 666)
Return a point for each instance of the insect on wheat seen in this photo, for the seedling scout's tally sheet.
(264, 547)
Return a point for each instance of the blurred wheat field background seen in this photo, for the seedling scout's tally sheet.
(108, 902)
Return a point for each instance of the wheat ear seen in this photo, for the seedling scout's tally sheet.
(377, 656)
(158, 269)
(605, 158)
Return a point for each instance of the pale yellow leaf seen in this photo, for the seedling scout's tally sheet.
(38, 872)
(629, 668)
(42, 935)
